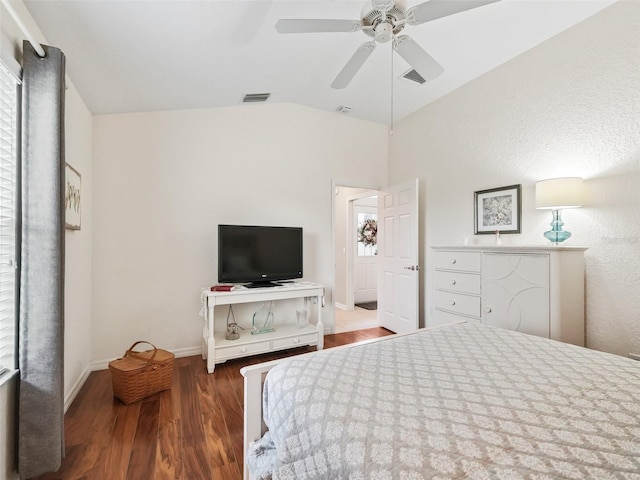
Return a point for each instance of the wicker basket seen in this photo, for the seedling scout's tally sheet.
(140, 374)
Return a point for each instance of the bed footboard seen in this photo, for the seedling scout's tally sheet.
(254, 426)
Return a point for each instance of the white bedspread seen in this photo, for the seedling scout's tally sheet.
(464, 401)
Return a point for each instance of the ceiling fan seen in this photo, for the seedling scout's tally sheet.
(384, 20)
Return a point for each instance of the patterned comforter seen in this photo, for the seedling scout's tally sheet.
(463, 401)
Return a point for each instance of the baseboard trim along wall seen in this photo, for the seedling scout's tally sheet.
(179, 352)
(71, 395)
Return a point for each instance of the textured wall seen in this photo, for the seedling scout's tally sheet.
(570, 107)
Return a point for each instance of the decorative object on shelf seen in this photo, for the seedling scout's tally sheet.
(223, 288)
(263, 320)
(232, 332)
(497, 209)
(301, 317)
(72, 198)
(556, 194)
(368, 232)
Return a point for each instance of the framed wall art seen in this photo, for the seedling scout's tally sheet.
(72, 198)
(498, 210)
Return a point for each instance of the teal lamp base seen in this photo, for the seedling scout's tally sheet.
(556, 234)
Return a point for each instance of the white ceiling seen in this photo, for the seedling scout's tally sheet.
(146, 55)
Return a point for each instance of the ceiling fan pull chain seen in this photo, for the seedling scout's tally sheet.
(391, 113)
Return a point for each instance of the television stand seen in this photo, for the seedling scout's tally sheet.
(217, 349)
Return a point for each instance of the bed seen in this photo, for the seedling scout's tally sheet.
(458, 401)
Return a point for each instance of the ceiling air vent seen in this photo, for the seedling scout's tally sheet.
(344, 109)
(255, 97)
(414, 77)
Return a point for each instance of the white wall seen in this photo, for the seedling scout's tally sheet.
(78, 250)
(570, 107)
(77, 339)
(165, 180)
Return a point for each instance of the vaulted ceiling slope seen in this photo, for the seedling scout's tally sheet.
(136, 56)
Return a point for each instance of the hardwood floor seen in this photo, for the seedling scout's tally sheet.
(191, 432)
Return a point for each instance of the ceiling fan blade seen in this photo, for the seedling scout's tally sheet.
(433, 9)
(414, 55)
(353, 65)
(314, 25)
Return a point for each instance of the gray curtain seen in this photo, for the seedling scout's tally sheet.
(41, 331)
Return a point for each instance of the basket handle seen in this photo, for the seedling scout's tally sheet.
(131, 353)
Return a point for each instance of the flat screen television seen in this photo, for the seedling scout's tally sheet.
(259, 256)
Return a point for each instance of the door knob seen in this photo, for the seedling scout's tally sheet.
(487, 309)
(412, 267)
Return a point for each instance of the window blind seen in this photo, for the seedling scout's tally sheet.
(8, 185)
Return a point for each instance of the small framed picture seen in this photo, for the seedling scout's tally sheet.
(497, 209)
(72, 213)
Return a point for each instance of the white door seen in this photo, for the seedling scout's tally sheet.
(398, 257)
(365, 249)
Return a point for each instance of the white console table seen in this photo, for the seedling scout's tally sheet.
(217, 349)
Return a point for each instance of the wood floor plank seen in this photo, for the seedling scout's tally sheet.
(195, 456)
(192, 432)
(168, 462)
(217, 439)
(114, 459)
(143, 452)
(228, 472)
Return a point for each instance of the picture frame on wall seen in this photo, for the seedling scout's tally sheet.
(72, 198)
(498, 210)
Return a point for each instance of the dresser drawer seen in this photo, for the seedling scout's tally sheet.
(297, 341)
(458, 261)
(242, 350)
(440, 317)
(457, 282)
(457, 303)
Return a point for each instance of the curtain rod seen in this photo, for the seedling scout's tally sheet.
(16, 18)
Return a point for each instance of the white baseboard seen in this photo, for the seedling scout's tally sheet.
(70, 397)
(178, 352)
(341, 306)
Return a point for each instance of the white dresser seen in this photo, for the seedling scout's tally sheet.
(534, 290)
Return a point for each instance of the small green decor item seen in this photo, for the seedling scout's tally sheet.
(368, 232)
(263, 320)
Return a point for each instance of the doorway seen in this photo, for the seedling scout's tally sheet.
(355, 240)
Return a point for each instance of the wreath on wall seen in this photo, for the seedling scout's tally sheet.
(368, 232)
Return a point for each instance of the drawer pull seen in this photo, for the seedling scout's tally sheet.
(297, 340)
(452, 282)
(243, 349)
(487, 309)
(453, 261)
(452, 302)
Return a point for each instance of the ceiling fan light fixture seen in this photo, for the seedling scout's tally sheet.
(384, 32)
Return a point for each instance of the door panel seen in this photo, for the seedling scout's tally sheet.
(516, 293)
(365, 259)
(398, 257)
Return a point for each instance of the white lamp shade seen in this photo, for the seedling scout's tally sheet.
(559, 193)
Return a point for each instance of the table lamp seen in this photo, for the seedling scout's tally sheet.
(556, 194)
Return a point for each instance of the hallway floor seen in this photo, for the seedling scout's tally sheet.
(347, 321)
